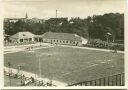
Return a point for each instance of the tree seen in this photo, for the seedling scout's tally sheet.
(92, 27)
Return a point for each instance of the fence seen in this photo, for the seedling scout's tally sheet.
(26, 79)
(114, 80)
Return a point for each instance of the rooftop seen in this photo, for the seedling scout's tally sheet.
(62, 36)
(23, 35)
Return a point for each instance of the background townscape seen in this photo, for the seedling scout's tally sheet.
(95, 28)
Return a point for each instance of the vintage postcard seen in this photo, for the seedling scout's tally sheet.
(63, 43)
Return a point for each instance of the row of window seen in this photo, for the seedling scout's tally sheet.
(29, 39)
(66, 41)
(38, 39)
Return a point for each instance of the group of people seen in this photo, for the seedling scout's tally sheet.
(30, 48)
(28, 81)
(33, 82)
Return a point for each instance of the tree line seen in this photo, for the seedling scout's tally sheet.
(92, 27)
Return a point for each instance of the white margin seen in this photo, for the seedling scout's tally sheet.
(87, 87)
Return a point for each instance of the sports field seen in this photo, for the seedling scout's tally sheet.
(69, 65)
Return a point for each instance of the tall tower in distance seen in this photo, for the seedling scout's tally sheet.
(26, 16)
(56, 13)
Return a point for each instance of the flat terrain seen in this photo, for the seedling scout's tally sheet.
(69, 65)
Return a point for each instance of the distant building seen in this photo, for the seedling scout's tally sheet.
(26, 16)
(36, 20)
(14, 20)
(22, 37)
(62, 38)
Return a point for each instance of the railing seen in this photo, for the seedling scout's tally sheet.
(114, 80)
(18, 44)
(27, 81)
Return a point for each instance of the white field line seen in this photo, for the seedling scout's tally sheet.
(92, 65)
(89, 48)
(29, 75)
(13, 49)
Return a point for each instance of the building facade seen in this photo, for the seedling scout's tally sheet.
(62, 38)
(22, 37)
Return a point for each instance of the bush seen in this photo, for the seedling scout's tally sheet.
(97, 43)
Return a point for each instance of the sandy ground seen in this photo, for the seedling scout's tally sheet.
(13, 49)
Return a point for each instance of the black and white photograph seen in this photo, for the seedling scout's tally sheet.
(63, 43)
(65, 89)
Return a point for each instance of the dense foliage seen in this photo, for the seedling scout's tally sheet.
(94, 27)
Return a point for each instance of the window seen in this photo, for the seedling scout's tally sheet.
(63, 41)
(24, 35)
(30, 39)
(21, 40)
(39, 39)
(66, 41)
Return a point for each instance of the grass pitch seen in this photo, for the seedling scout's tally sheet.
(69, 65)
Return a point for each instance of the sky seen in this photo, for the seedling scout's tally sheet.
(65, 8)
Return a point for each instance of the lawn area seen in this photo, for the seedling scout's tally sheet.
(69, 65)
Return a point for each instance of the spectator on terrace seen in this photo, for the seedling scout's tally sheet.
(115, 49)
(32, 79)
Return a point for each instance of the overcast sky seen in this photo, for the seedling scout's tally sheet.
(66, 8)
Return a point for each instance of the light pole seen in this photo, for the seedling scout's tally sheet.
(38, 55)
(19, 67)
(9, 64)
(39, 64)
(40, 40)
(107, 36)
(19, 71)
(39, 68)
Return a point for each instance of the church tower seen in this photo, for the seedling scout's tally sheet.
(26, 16)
